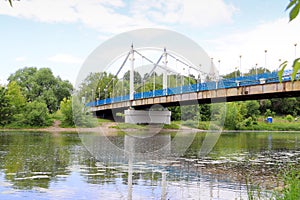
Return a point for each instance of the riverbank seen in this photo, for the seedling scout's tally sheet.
(111, 126)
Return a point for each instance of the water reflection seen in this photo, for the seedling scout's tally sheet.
(47, 166)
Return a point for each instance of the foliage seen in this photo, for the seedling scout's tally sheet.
(292, 184)
(294, 7)
(5, 107)
(289, 118)
(264, 105)
(36, 114)
(252, 109)
(205, 112)
(269, 113)
(41, 85)
(233, 116)
(285, 106)
(81, 116)
(15, 96)
(190, 112)
(67, 113)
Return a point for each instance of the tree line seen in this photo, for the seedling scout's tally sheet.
(31, 96)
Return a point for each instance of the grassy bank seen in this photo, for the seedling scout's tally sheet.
(280, 123)
(289, 188)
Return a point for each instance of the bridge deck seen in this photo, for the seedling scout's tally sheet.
(240, 93)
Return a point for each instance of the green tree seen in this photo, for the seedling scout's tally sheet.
(285, 106)
(5, 107)
(233, 116)
(42, 85)
(67, 111)
(98, 82)
(252, 109)
(205, 112)
(81, 116)
(264, 105)
(16, 98)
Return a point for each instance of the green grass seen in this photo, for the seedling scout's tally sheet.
(291, 188)
(128, 126)
(275, 126)
(101, 120)
(173, 125)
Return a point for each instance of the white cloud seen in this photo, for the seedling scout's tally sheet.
(115, 16)
(277, 37)
(207, 13)
(188, 12)
(65, 58)
(21, 58)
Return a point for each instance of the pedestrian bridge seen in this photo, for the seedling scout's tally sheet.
(262, 86)
(239, 88)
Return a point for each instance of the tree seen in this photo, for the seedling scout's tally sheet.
(205, 112)
(17, 103)
(5, 107)
(66, 110)
(252, 109)
(42, 85)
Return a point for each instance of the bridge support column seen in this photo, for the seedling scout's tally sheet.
(147, 117)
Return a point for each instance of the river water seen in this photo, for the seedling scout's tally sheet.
(35, 165)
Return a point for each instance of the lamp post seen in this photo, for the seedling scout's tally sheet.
(256, 70)
(105, 91)
(182, 79)
(295, 45)
(266, 51)
(241, 65)
(189, 72)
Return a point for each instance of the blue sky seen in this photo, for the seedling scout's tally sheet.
(61, 34)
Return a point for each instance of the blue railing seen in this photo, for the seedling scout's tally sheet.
(212, 85)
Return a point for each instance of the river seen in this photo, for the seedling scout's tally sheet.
(40, 165)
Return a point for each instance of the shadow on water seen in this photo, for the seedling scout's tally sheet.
(65, 166)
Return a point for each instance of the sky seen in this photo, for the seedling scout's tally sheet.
(61, 34)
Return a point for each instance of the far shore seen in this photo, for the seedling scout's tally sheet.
(107, 127)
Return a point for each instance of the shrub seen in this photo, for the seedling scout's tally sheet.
(36, 114)
(289, 118)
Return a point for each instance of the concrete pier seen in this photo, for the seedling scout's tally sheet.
(147, 117)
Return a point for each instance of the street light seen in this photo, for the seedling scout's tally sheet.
(295, 49)
(266, 61)
(99, 91)
(256, 70)
(241, 65)
(105, 91)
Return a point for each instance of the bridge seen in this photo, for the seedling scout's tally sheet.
(179, 87)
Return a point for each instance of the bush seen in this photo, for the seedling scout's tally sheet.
(36, 114)
(67, 112)
(74, 113)
(289, 118)
(269, 113)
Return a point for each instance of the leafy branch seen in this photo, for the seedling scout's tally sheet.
(294, 7)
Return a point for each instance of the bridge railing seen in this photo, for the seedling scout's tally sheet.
(210, 85)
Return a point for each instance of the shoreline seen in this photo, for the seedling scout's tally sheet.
(107, 127)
